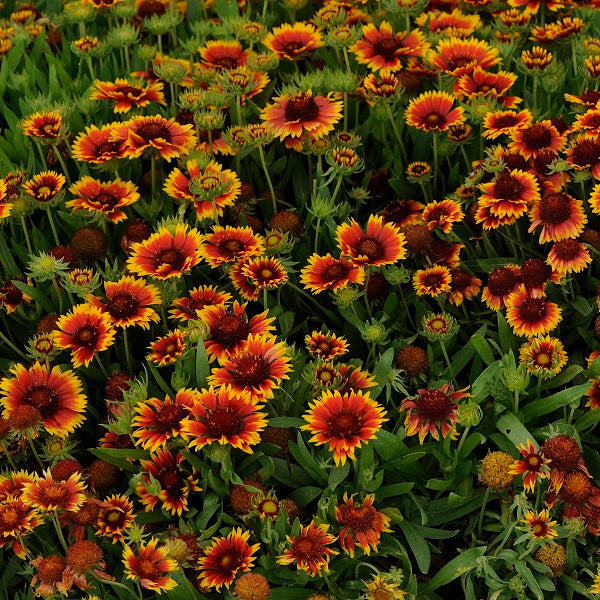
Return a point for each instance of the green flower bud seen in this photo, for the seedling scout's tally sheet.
(322, 207)
(146, 52)
(161, 24)
(45, 267)
(122, 36)
(172, 71)
(469, 413)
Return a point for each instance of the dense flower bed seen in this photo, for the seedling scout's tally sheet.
(299, 300)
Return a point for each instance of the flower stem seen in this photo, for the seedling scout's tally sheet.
(269, 182)
(445, 353)
(61, 537)
(52, 225)
(127, 352)
(24, 226)
(397, 133)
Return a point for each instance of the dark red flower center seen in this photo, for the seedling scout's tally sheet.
(115, 518)
(152, 130)
(129, 90)
(590, 97)
(460, 280)
(172, 257)
(346, 424)
(50, 570)
(293, 47)
(532, 310)
(387, 47)
(358, 518)
(231, 247)
(432, 281)
(302, 108)
(335, 272)
(567, 249)
(418, 170)
(225, 62)
(537, 136)
(87, 336)
(229, 562)
(505, 121)
(10, 293)
(434, 405)
(533, 463)
(9, 518)
(555, 208)
(434, 120)
(250, 371)
(459, 62)
(107, 149)
(171, 479)
(106, 200)
(592, 121)
(576, 488)
(43, 398)
(508, 187)
(230, 330)
(586, 153)
(145, 569)
(306, 548)
(370, 248)
(169, 417)
(122, 306)
(563, 451)
(54, 494)
(535, 272)
(397, 212)
(223, 422)
(514, 160)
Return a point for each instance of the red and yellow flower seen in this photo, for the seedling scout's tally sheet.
(543, 356)
(532, 466)
(463, 286)
(442, 215)
(530, 141)
(85, 330)
(17, 519)
(45, 186)
(45, 126)
(502, 122)
(560, 216)
(264, 272)
(223, 54)
(455, 23)
(432, 408)
(327, 273)
(584, 153)
(433, 111)
(47, 494)
(107, 198)
(150, 566)
(459, 57)
(186, 309)
(225, 416)
(126, 95)
(344, 422)
(326, 346)
(502, 282)
(95, 145)
(293, 41)
(56, 394)
(230, 244)
(114, 517)
(540, 525)
(568, 256)
(309, 549)
(531, 315)
(432, 281)
(167, 349)
(225, 557)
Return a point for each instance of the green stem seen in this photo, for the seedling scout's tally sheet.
(153, 171)
(24, 226)
(35, 454)
(52, 225)
(63, 164)
(317, 229)
(482, 512)
(127, 352)
(266, 299)
(435, 164)
(101, 364)
(12, 346)
(42, 156)
(447, 359)
(59, 295)
(515, 402)
(269, 182)
(337, 188)
(57, 526)
(397, 133)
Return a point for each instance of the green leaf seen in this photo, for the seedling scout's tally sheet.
(474, 440)
(445, 510)
(582, 306)
(194, 11)
(119, 456)
(417, 544)
(286, 422)
(202, 367)
(286, 593)
(458, 566)
(34, 293)
(388, 445)
(483, 348)
(465, 354)
(6, 258)
(382, 371)
(562, 378)
(226, 9)
(525, 572)
(394, 489)
(552, 403)
(513, 429)
(300, 452)
(588, 419)
(305, 495)
(338, 474)
(508, 340)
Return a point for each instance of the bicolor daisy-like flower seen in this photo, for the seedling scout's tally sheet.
(247, 289)
(532, 466)
(433, 408)
(560, 216)
(107, 198)
(258, 367)
(501, 283)
(165, 136)
(167, 349)
(540, 525)
(128, 302)
(381, 48)
(5, 205)
(158, 421)
(51, 576)
(293, 41)
(564, 454)
(584, 153)
(543, 356)
(223, 54)
(403, 213)
(229, 328)
(442, 215)
(360, 523)
(530, 141)
(301, 113)
(381, 244)
(45, 186)
(17, 519)
(166, 254)
(225, 557)
(56, 394)
(482, 83)
(11, 484)
(175, 485)
(463, 286)
(459, 57)
(502, 122)
(150, 566)
(95, 145)
(593, 394)
(344, 422)
(230, 244)
(532, 6)
(126, 95)
(589, 122)
(569, 256)
(531, 315)
(432, 281)
(327, 273)
(326, 346)
(44, 126)
(379, 85)
(114, 517)
(309, 550)
(455, 23)
(433, 111)
(47, 494)
(186, 309)
(264, 272)
(85, 330)
(210, 188)
(226, 416)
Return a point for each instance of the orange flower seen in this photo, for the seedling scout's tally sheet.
(382, 48)
(45, 126)
(344, 422)
(593, 393)
(462, 287)
(210, 188)
(17, 519)
(173, 484)
(45, 186)
(293, 41)
(502, 122)
(532, 466)
(584, 153)
(158, 421)
(56, 394)
(325, 345)
(85, 330)
(403, 212)
(531, 315)
(150, 566)
(561, 217)
(532, 6)
(126, 96)
(543, 356)
(382, 244)
(432, 111)
(230, 327)
(502, 282)
(225, 557)
(432, 408)
(53, 575)
(432, 281)
(483, 83)
(455, 24)
(167, 349)
(95, 145)
(530, 141)
(230, 244)
(115, 516)
(442, 215)
(360, 522)
(49, 495)
(300, 112)
(247, 289)
(5, 205)
(568, 256)
(225, 416)
(540, 525)
(165, 136)
(107, 198)
(309, 549)
(164, 254)
(264, 272)
(128, 302)
(186, 309)
(223, 54)
(459, 57)
(258, 368)
(327, 273)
